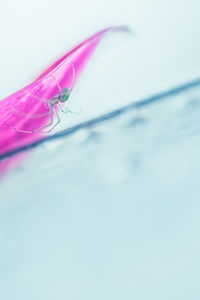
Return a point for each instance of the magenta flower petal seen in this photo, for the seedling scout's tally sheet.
(26, 109)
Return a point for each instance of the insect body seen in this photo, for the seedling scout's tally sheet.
(65, 96)
(54, 105)
(61, 98)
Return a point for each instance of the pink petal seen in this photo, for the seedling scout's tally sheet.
(20, 110)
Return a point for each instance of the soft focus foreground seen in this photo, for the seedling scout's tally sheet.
(110, 212)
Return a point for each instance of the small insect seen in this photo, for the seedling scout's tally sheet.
(54, 104)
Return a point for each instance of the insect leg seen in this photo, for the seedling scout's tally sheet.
(58, 120)
(58, 85)
(73, 79)
(62, 108)
(30, 115)
(38, 129)
(67, 110)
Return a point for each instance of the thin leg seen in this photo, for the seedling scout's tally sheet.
(36, 97)
(62, 108)
(73, 79)
(67, 110)
(51, 109)
(58, 120)
(28, 115)
(58, 85)
(74, 112)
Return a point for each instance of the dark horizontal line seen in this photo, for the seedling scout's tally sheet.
(105, 117)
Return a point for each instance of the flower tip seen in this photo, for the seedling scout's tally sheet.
(123, 28)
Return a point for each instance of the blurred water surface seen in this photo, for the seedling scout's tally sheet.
(109, 212)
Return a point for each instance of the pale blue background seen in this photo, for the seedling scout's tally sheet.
(111, 212)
